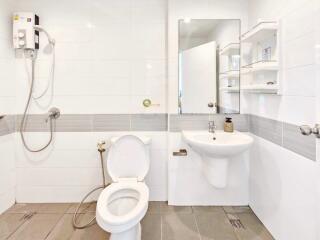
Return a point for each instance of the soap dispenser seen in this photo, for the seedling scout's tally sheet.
(228, 125)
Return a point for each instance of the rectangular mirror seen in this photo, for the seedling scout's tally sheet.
(209, 66)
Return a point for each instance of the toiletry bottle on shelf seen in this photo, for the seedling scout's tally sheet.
(228, 125)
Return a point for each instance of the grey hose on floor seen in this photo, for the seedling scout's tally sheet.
(92, 221)
(23, 120)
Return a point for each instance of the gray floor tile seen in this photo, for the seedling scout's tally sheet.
(86, 207)
(37, 228)
(151, 227)
(9, 223)
(253, 228)
(63, 230)
(92, 232)
(176, 226)
(165, 208)
(24, 208)
(237, 209)
(154, 207)
(162, 222)
(207, 209)
(53, 208)
(215, 226)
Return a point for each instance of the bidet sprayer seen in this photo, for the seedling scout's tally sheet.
(101, 147)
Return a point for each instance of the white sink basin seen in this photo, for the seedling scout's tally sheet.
(216, 150)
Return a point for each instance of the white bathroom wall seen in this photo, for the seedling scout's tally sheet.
(283, 191)
(7, 97)
(110, 55)
(71, 167)
(282, 183)
(317, 52)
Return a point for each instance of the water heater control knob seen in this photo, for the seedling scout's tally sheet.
(21, 43)
(21, 35)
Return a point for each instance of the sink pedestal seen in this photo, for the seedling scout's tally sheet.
(215, 170)
(216, 152)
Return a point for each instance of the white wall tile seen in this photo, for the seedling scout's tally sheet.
(99, 46)
(74, 159)
(7, 101)
(277, 176)
(300, 81)
(300, 51)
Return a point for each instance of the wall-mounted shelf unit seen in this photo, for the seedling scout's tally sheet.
(260, 31)
(260, 66)
(230, 74)
(260, 73)
(230, 89)
(261, 88)
(230, 49)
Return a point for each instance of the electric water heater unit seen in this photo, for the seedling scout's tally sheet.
(25, 35)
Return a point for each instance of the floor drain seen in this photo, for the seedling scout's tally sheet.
(28, 215)
(236, 223)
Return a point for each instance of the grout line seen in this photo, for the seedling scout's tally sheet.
(195, 219)
(161, 227)
(51, 230)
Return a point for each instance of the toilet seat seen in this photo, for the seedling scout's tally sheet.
(117, 191)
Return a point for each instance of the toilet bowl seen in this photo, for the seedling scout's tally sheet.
(122, 205)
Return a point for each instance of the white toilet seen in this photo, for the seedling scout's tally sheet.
(123, 204)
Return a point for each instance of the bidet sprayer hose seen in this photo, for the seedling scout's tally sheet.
(101, 150)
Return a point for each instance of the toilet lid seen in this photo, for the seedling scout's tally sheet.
(128, 157)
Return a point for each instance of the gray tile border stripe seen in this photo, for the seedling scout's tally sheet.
(200, 121)
(268, 129)
(111, 122)
(96, 122)
(283, 134)
(298, 143)
(149, 122)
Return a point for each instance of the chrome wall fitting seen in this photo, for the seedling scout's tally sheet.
(54, 113)
(316, 130)
(307, 130)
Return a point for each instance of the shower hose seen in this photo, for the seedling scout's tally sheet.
(52, 115)
(91, 222)
(23, 120)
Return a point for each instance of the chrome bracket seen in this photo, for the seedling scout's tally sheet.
(307, 130)
(180, 153)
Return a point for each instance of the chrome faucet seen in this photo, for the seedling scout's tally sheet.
(212, 127)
